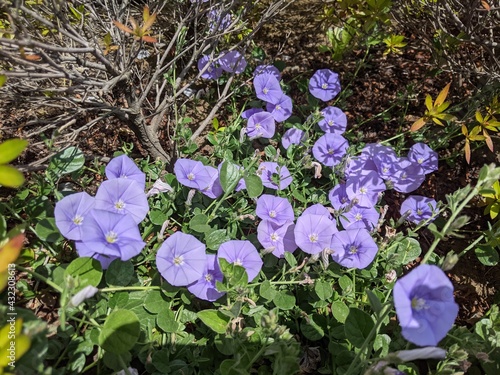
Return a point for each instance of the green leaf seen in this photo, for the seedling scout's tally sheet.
(358, 326)
(215, 320)
(120, 332)
(311, 330)
(487, 255)
(229, 176)
(157, 217)
(199, 223)
(340, 311)
(254, 185)
(214, 239)
(382, 343)
(346, 284)
(10, 176)
(3, 79)
(11, 149)
(374, 301)
(323, 289)
(290, 259)
(266, 290)
(119, 273)
(46, 230)
(87, 270)
(166, 321)
(67, 161)
(284, 300)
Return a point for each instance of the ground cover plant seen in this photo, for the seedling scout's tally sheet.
(295, 245)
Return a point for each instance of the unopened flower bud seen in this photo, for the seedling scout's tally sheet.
(82, 295)
(450, 261)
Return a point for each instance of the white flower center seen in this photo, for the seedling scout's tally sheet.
(238, 262)
(258, 126)
(78, 220)
(208, 277)
(313, 237)
(278, 107)
(331, 151)
(272, 214)
(111, 237)
(324, 86)
(265, 90)
(190, 177)
(353, 249)
(358, 217)
(420, 161)
(419, 211)
(363, 190)
(331, 123)
(120, 205)
(274, 237)
(178, 260)
(418, 304)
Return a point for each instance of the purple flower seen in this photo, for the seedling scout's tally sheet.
(365, 189)
(293, 136)
(425, 305)
(267, 88)
(313, 233)
(360, 217)
(213, 189)
(424, 156)
(359, 165)
(70, 213)
(192, 174)
(124, 167)
(275, 209)
(232, 62)
(318, 209)
(419, 208)
(213, 71)
(123, 197)
(249, 112)
(110, 235)
(338, 197)
(329, 149)
(324, 85)
(215, 19)
(271, 69)
(282, 109)
(282, 178)
(242, 253)
(353, 248)
(205, 288)
(408, 177)
(261, 124)
(372, 149)
(159, 187)
(181, 259)
(280, 238)
(334, 120)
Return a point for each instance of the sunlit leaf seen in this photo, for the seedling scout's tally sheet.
(10, 176)
(418, 124)
(428, 102)
(442, 95)
(10, 251)
(122, 27)
(11, 149)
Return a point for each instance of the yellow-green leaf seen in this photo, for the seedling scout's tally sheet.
(442, 95)
(428, 102)
(10, 176)
(3, 79)
(10, 251)
(418, 124)
(11, 149)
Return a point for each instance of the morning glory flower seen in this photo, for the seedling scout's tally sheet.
(313, 233)
(268, 169)
(213, 189)
(192, 174)
(215, 18)
(318, 209)
(282, 109)
(205, 288)
(329, 149)
(418, 208)
(293, 136)
(181, 259)
(279, 238)
(408, 177)
(159, 187)
(261, 124)
(232, 62)
(70, 213)
(365, 189)
(249, 112)
(275, 209)
(122, 196)
(425, 305)
(333, 120)
(214, 71)
(271, 69)
(267, 88)
(360, 217)
(338, 197)
(242, 253)
(359, 165)
(324, 85)
(387, 164)
(110, 235)
(353, 248)
(124, 167)
(424, 156)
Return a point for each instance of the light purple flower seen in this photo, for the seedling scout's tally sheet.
(329, 149)
(242, 253)
(408, 177)
(282, 109)
(372, 149)
(267, 88)
(293, 136)
(353, 248)
(249, 112)
(111, 235)
(387, 164)
(425, 305)
(213, 189)
(280, 238)
(359, 165)
(365, 189)
(122, 196)
(419, 208)
(360, 217)
(159, 187)
(192, 174)
(181, 259)
(232, 62)
(424, 156)
(333, 120)
(338, 197)
(318, 209)
(324, 85)
(214, 71)
(124, 167)
(275, 209)
(261, 125)
(205, 288)
(313, 233)
(70, 213)
(271, 69)
(282, 175)
(216, 21)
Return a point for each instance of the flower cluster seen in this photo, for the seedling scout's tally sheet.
(105, 227)
(227, 61)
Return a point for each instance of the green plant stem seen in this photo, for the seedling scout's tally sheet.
(462, 253)
(278, 283)
(36, 275)
(129, 288)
